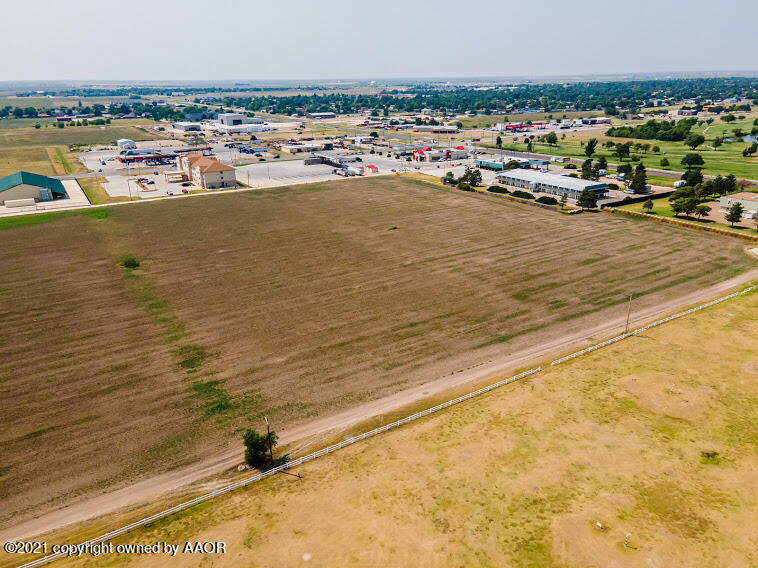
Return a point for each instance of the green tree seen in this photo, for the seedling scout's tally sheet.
(702, 211)
(690, 160)
(735, 213)
(498, 142)
(648, 205)
(656, 149)
(257, 447)
(587, 199)
(564, 198)
(622, 150)
(694, 140)
(664, 162)
(551, 138)
(589, 149)
(639, 181)
(587, 169)
(602, 163)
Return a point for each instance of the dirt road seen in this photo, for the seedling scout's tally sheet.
(309, 432)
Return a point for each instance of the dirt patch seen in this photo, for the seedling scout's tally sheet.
(664, 393)
(751, 368)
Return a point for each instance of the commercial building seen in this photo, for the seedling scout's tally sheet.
(206, 172)
(748, 200)
(438, 129)
(188, 126)
(236, 119)
(534, 181)
(126, 144)
(332, 159)
(320, 115)
(440, 155)
(310, 146)
(25, 188)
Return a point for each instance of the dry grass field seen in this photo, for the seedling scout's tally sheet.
(652, 441)
(46, 150)
(293, 302)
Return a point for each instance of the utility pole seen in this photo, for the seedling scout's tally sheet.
(268, 430)
(628, 313)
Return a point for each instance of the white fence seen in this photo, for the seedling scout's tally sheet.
(370, 433)
(651, 325)
(283, 467)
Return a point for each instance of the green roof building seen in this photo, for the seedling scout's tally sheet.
(26, 185)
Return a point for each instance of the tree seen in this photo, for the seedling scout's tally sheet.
(257, 447)
(690, 160)
(702, 211)
(499, 142)
(587, 169)
(656, 149)
(474, 177)
(694, 140)
(587, 199)
(735, 213)
(648, 205)
(589, 149)
(602, 163)
(564, 198)
(622, 150)
(374, 135)
(528, 145)
(551, 138)
(639, 181)
(718, 141)
(750, 150)
(664, 162)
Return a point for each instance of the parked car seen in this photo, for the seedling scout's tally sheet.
(169, 193)
(186, 184)
(185, 190)
(150, 182)
(277, 157)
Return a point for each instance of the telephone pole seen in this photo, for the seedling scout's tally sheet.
(270, 449)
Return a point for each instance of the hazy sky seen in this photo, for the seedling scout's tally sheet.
(322, 39)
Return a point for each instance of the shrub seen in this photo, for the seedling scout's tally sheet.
(257, 447)
(613, 186)
(130, 262)
(570, 166)
(465, 187)
(497, 189)
(547, 200)
(522, 194)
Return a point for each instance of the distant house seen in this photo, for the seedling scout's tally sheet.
(26, 186)
(206, 172)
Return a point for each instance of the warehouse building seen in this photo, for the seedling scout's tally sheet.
(188, 126)
(126, 144)
(534, 181)
(206, 172)
(25, 188)
(320, 115)
(438, 129)
(237, 119)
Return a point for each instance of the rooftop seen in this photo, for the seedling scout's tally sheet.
(744, 195)
(207, 164)
(552, 179)
(54, 185)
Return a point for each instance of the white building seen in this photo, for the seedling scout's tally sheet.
(237, 119)
(533, 181)
(126, 144)
(188, 126)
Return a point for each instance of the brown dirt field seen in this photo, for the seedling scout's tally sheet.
(555, 470)
(294, 302)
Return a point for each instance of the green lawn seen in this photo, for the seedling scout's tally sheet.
(726, 160)
(662, 208)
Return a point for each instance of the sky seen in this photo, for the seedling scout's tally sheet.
(329, 39)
